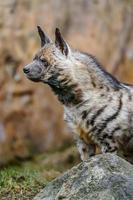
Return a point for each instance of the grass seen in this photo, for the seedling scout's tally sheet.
(22, 181)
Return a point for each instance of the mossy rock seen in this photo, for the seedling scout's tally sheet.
(103, 177)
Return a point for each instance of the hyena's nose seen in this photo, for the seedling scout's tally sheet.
(26, 70)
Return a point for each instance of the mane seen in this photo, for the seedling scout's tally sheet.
(94, 65)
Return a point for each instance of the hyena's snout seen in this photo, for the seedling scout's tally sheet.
(26, 70)
(33, 71)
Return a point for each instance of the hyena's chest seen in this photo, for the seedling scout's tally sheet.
(77, 126)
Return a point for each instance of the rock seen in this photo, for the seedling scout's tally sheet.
(103, 177)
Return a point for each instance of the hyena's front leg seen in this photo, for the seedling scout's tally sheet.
(85, 150)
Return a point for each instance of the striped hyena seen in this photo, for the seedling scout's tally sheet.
(98, 108)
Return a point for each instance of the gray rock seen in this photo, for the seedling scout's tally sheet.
(103, 177)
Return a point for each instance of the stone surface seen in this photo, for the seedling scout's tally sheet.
(103, 177)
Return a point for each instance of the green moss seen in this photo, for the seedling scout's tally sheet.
(20, 182)
(24, 180)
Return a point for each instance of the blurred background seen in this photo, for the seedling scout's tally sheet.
(31, 118)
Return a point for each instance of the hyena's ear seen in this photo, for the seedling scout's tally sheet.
(44, 38)
(60, 43)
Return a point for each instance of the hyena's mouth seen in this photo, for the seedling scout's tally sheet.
(33, 79)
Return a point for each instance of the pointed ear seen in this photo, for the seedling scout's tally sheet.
(44, 38)
(60, 43)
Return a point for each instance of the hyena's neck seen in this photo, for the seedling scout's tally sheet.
(68, 93)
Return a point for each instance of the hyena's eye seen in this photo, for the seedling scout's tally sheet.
(44, 62)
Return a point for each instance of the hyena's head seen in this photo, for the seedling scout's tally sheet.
(55, 65)
(50, 60)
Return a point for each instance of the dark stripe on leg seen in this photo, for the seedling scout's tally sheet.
(114, 130)
(85, 113)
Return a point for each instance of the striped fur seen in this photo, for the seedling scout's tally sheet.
(98, 108)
